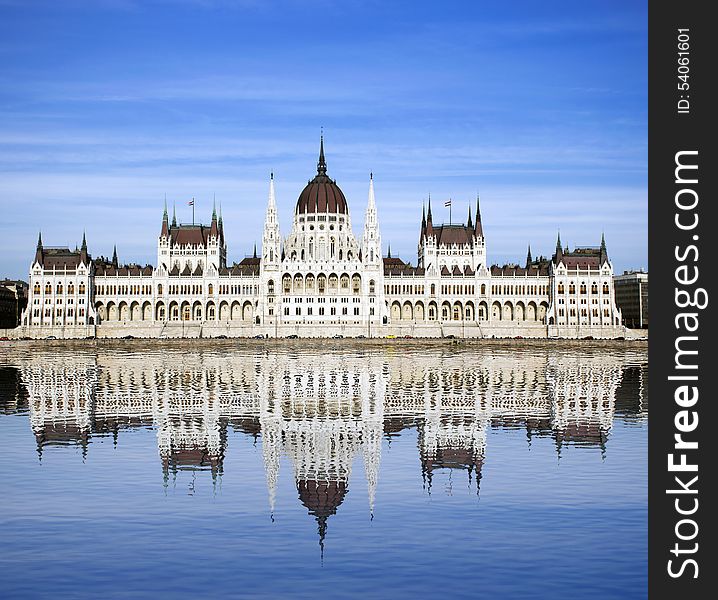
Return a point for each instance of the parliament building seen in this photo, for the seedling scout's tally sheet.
(321, 280)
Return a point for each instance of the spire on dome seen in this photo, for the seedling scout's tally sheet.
(322, 164)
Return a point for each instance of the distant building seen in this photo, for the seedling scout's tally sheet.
(632, 298)
(13, 300)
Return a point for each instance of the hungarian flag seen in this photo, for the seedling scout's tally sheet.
(447, 204)
(191, 202)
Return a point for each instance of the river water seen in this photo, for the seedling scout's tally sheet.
(300, 469)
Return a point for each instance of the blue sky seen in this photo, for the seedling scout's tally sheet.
(106, 106)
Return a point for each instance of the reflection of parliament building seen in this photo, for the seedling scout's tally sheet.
(324, 415)
(321, 280)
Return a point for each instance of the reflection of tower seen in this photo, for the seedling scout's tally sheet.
(61, 398)
(582, 390)
(452, 442)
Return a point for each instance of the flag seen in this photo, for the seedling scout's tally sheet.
(447, 204)
(191, 202)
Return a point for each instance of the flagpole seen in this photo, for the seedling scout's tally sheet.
(449, 211)
(193, 210)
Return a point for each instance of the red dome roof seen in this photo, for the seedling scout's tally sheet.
(322, 194)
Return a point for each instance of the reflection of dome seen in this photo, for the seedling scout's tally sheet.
(322, 195)
(322, 498)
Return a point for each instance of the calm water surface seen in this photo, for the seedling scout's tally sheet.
(310, 469)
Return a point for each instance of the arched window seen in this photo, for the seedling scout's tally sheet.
(286, 283)
(270, 286)
(605, 288)
(311, 247)
(59, 288)
(332, 245)
(345, 282)
(70, 288)
(36, 289)
(372, 286)
(321, 283)
(340, 254)
(433, 289)
(582, 289)
(483, 289)
(561, 289)
(159, 289)
(210, 289)
(572, 288)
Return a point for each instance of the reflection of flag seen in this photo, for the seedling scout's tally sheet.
(191, 202)
(447, 203)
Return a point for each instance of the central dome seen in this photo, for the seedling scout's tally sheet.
(322, 194)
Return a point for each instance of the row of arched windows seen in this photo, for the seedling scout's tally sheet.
(60, 288)
(583, 289)
(321, 283)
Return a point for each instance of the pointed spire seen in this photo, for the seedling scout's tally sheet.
(38, 251)
(423, 218)
(174, 214)
(559, 250)
(371, 205)
(478, 226)
(604, 251)
(165, 221)
(83, 249)
(470, 223)
(429, 222)
(214, 208)
(254, 254)
(272, 197)
(529, 259)
(388, 255)
(114, 256)
(322, 164)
